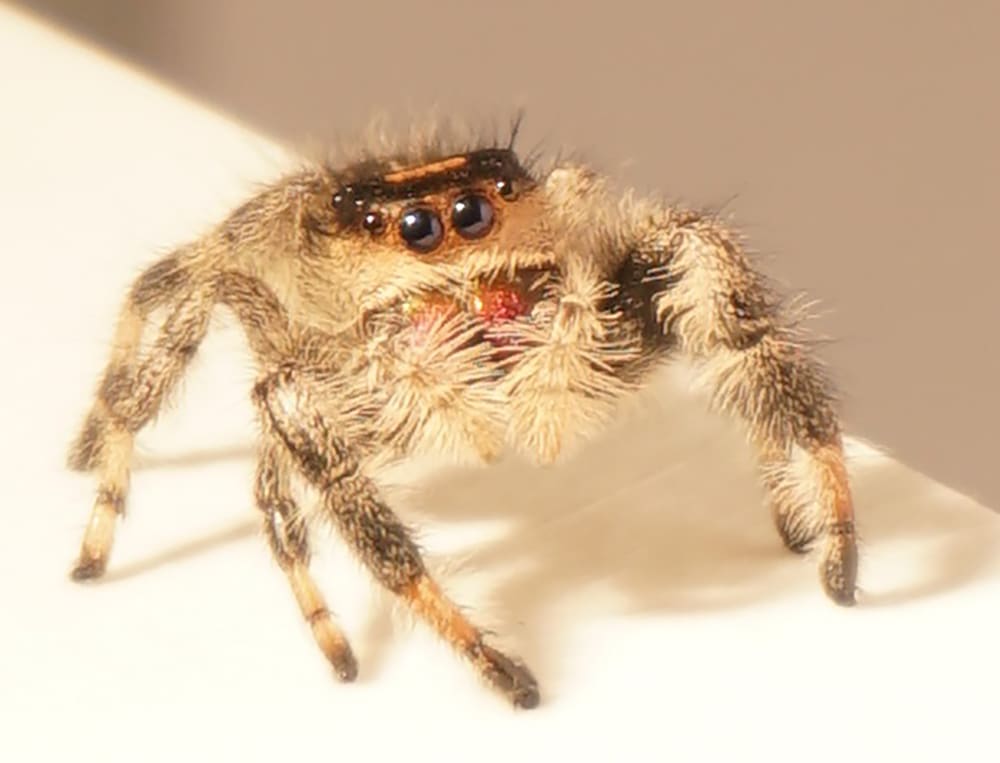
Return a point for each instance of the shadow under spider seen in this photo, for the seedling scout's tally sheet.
(661, 514)
(665, 514)
(193, 457)
(236, 532)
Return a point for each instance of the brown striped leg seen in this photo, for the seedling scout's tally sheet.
(373, 531)
(288, 536)
(128, 398)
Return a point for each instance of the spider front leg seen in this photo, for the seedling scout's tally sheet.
(133, 388)
(699, 289)
(135, 384)
(291, 420)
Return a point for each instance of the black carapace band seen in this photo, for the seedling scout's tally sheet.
(352, 199)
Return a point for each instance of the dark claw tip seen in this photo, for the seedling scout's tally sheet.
(512, 677)
(88, 569)
(839, 586)
(839, 572)
(844, 598)
(527, 699)
(346, 668)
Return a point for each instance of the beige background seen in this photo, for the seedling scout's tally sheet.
(855, 144)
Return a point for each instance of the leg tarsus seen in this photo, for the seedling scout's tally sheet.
(508, 675)
(839, 564)
(505, 673)
(839, 561)
(346, 668)
(109, 506)
(326, 633)
(334, 645)
(88, 568)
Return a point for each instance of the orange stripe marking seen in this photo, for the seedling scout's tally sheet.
(434, 168)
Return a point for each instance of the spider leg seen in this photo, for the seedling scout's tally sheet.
(132, 390)
(287, 534)
(719, 312)
(163, 283)
(792, 511)
(135, 383)
(352, 501)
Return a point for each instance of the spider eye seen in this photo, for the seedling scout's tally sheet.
(507, 189)
(472, 216)
(374, 222)
(341, 195)
(421, 230)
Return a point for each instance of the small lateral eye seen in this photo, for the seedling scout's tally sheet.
(421, 229)
(472, 216)
(373, 222)
(341, 195)
(507, 189)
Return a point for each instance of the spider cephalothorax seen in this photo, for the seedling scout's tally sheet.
(471, 225)
(455, 301)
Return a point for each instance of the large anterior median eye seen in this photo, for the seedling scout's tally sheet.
(472, 216)
(421, 229)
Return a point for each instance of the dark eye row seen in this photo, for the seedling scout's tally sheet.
(423, 231)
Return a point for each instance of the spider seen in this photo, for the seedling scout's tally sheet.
(447, 296)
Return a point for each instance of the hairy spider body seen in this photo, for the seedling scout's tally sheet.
(453, 301)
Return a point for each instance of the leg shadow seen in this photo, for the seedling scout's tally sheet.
(663, 515)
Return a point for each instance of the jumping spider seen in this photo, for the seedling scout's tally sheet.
(454, 299)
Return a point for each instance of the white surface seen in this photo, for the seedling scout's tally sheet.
(641, 581)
